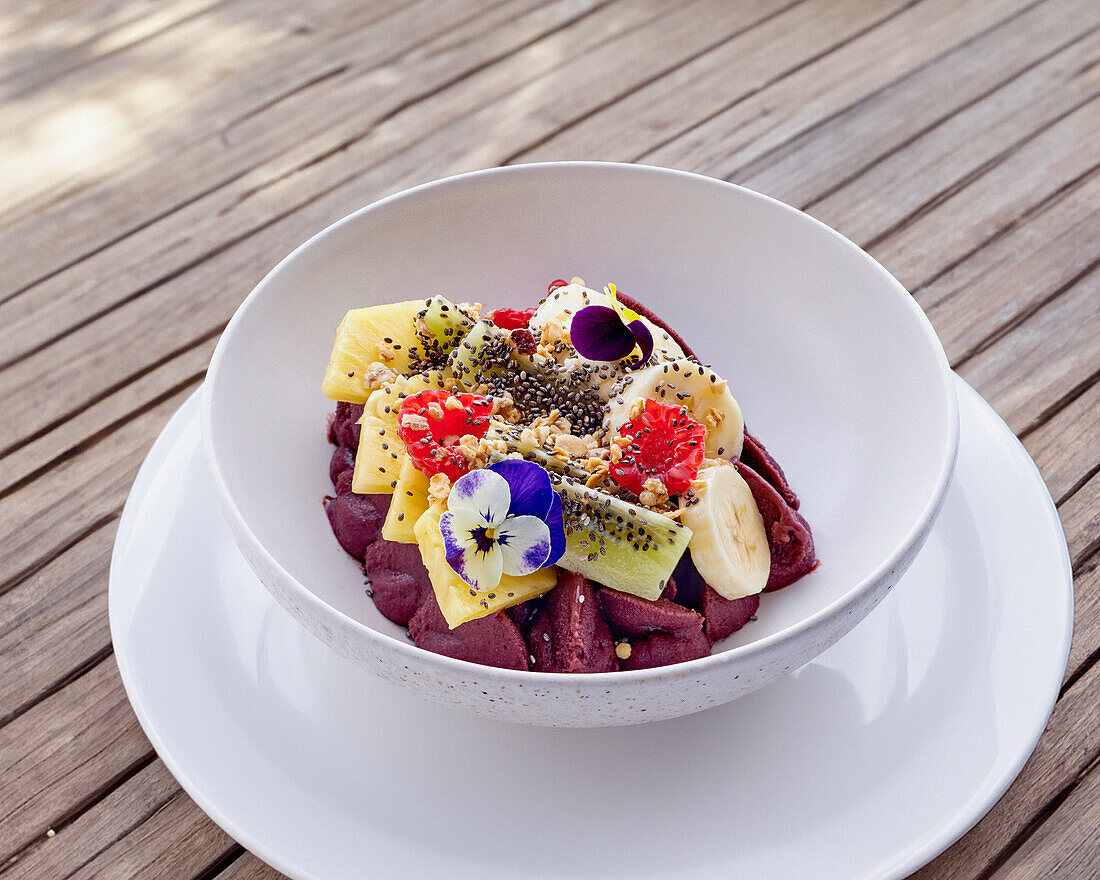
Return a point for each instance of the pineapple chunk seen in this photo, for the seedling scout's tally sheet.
(410, 500)
(381, 452)
(453, 594)
(361, 341)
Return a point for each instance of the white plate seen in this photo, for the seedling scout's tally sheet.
(865, 763)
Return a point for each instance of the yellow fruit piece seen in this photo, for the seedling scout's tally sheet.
(381, 452)
(361, 341)
(410, 500)
(453, 594)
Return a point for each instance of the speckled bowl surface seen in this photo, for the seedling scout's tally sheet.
(835, 367)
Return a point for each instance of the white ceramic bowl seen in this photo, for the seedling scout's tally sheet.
(836, 368)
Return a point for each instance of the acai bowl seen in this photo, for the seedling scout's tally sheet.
(828, 356)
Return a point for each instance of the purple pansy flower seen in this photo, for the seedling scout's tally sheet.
(503, 519)
(611, 333)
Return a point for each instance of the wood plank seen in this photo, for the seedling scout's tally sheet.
(130, 104)
(1066, 844)
(825, 156)
(1086, 617)
(176, 841)
(1081, 519)
(161, 249)
(992, 202)
(1037, 364)
(54, 623)
(727, 141)
(77, 497)
(65, 752)
(71, 39)
(93, 422)
(267, 106)
(900, 185)
(1067, 447)
(1069, 746)
(1003, 283)
(216, 285)
(130, 805)
(248, 867)
(733, 71)
(65, 300)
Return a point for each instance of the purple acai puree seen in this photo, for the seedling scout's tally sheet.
(398, 579)
(491, 641)
(356, 520)
(570, 634)
(759, 459)
(792, 545)
(660, 632)
(343, 429)
(725, 616)
(343, 460)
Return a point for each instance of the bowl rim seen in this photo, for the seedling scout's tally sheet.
(914, 538)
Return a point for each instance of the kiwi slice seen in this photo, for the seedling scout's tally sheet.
(540, 455)
(537, 384)
(440, 326)
(616, 543)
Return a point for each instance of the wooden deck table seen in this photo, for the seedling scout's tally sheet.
(159, 157)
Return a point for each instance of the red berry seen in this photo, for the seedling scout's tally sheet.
(555, 284)
(512, 319)
(434, 449)
(524, 341)
(666, 443)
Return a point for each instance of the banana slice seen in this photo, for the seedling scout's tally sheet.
(728, 543)
(700, 389)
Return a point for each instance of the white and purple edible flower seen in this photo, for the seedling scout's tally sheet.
(503, 519)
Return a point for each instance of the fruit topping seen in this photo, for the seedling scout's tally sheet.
(432, 424)
(524, 341)
(684, 383)
(439, 326)
(729, 544)
(410, 500)
(536, 385)
(370, 343)
(618, 544)
(555, 284)
(665, 443)
(790, 543)
(458, 601)
(512, 319)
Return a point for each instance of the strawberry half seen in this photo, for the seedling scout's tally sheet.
(432, 422)
(666, 443)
